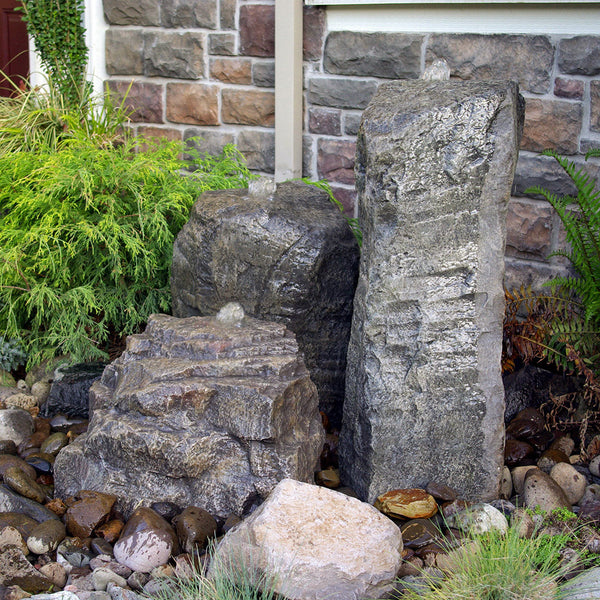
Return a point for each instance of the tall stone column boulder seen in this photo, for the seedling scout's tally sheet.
(424, 396)
(286, 255)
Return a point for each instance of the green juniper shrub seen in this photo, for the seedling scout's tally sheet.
(86, 237)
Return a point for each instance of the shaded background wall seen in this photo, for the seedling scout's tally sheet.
(206, 68)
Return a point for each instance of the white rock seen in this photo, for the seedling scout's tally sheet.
(102, 576)
(478, 519)
(16, 424)
(9, 536)
(144, 550)
(56, 596)
(317, 543)
(572, 482)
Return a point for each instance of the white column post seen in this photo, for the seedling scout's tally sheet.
(288, 89)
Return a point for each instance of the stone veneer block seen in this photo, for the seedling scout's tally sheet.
(335, 160)
(222, 44)
(132, 12)
(314, 26)
(248, 107)
(289, 257)
(339, 92)
(231, 70)
(258, 148)
(208, 141)
(257, 30)
(579, 55)
(189, 13)
(124, 52)
(143, 101)
(552, 124)
(595, 106)
(227, 13)
(424, 396)
(389, 55)
(263, 73)
(529, 229)
(174, 54)
(525, 58)
(192, 103)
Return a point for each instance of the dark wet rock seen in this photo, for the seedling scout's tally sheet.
(40, 465)
(550, 458)
(531, 387)
(145, 519)
(441, 492)
(22, 523)
(288, 257)
(419, 532)
(101, 546)
(111, 530)
(541, 440)
(523, 429)
(169, 422)
(88, 512)
(167, 510)
(10, 501)
(35, 440)
(54, 443)
(504, 506)
(15, 569)
(69, 393)
(195, 527)
(23, 484)
(7, 447)
(8, 461)
(515, 451)
(46, 536)
(230, 522)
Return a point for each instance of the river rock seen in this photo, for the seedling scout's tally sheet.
(194, 528)
(407, 503)
(11, 536)
(8, 461)
(23, 484)
(146, 519)
(144, 550)
(478, 519)
(323, 544)
(16, 424)
(198, 412)
(424, 395)
(22, 523)
(10, 501)
(287, 256)
(46, 537)
(84, 515)
(539, 489)
(15, 569)
(571, 482)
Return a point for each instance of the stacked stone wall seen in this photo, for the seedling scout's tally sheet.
(206, 68)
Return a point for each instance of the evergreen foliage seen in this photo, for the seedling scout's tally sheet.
(86, 237)
(580, 216)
